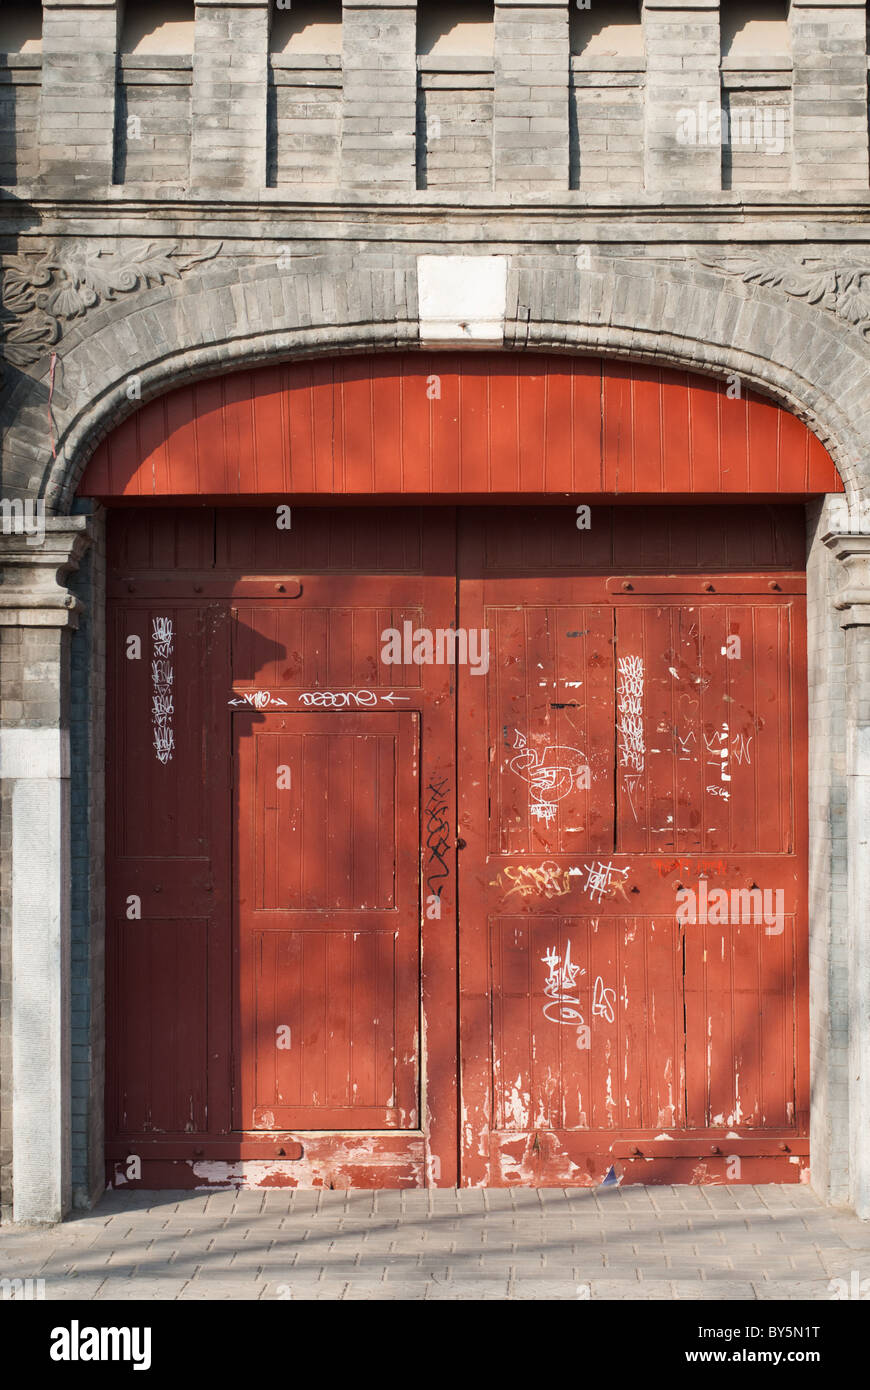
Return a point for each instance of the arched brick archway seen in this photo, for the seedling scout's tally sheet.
(224, 315)
(689, 318)
(307, 430)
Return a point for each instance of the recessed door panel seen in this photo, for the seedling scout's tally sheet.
(328, 921)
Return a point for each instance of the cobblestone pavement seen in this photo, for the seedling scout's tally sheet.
(611, 1243)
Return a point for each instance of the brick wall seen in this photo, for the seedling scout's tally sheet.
(607, 123)
(304, 120)
(87, 925)
(532, 61)
(20, 80)
(230, 72)
(454, 123)
(683, 53)
(830, 94)
(757, 135)
(153, 121)
(535, 116)
(77, 105)
(379, 54)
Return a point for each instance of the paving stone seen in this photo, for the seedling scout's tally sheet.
(719, 1291)
(610, 1288)
(500, 1251)
(810, 1289)
(139, 1289)
(81, 1289)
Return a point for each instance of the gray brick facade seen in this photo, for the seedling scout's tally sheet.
(228, 111)
(379, 121)
(830, 94)
(166, 216)
(77, 94)
(532, 62)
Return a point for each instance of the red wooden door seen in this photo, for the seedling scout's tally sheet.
(634, 752)
(328, 928)
(285, 809)
(268, 775)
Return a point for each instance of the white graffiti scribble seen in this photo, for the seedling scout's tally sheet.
(630, 711)
(563, 1006)
(328, 699)
(258, 699)
(717, 744)
(740, 743)
(551, 774)
(562, 976)
(162, 681)
(629, 723)
(602, 880)
(603, 1001)
(686, 755)
(161, 636)
(164, 742)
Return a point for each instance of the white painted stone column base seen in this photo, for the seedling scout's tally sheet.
(36, 761)
(39, 613)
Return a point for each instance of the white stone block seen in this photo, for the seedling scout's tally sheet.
(34, 753)
(462, 298)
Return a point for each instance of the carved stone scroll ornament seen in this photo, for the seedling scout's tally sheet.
(41, 294)
(842, 290)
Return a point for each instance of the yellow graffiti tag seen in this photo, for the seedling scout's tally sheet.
(547, 878)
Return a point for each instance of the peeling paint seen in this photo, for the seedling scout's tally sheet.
(352, 1165)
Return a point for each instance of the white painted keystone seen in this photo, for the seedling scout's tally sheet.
(462, 298)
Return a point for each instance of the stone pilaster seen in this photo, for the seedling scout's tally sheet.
(853, 605)
(532, 76)
(229, 99)
(77, 101)
(379, 109)
(37, 617)
(683, 102)
(829, 44)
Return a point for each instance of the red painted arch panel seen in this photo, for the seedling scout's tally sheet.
(459, 425)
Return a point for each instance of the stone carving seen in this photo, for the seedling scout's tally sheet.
(842, 290)
(42, 294)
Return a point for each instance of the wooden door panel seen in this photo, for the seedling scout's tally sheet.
(592, 785)
(327, 646)
(336, 994)
(549, 736)
(259, 913)
(614, 1019)
(159, 695)
(160, 1040)
(742, 1005)
(167, 957)
(587, 1022)
(714, 774)
(331, 845)
(328, 927)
